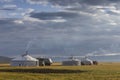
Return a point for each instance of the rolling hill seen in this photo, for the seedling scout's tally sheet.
(4, 59)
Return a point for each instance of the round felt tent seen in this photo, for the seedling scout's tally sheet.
(71, 62)
(86, 61)
(25, 60)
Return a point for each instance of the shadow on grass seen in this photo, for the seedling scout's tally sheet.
(43, 71)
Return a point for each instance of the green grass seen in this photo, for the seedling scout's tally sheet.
(103, 71)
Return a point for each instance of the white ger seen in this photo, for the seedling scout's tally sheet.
(71, 62)
(24, 61)
(86, 61)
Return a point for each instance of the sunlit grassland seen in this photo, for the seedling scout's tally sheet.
(103, 71)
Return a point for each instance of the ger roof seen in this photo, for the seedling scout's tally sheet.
(85, 59)
(25, 58)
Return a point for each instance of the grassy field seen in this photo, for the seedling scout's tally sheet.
(103, 71)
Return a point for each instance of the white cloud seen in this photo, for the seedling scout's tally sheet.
(30, 19)
(13, 14)
(10, 6)
(27, 12)
(83, 27)
(57, 20)
(6, 0)
(44, 2)
(18, 22)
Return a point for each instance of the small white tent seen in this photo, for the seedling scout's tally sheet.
(25, 60)
(86, 61)
(71, 62)
(74, 62)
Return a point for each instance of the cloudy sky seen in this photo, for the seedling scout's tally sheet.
(59, 27)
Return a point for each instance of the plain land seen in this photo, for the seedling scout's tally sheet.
(102, 71)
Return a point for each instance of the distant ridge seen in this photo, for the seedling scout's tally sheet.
(4, 59)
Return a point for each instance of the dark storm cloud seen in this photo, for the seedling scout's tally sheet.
(54, 2)
(72, 2)
(69, 2)
(95, 2)
(65, 2)
(53, 15)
